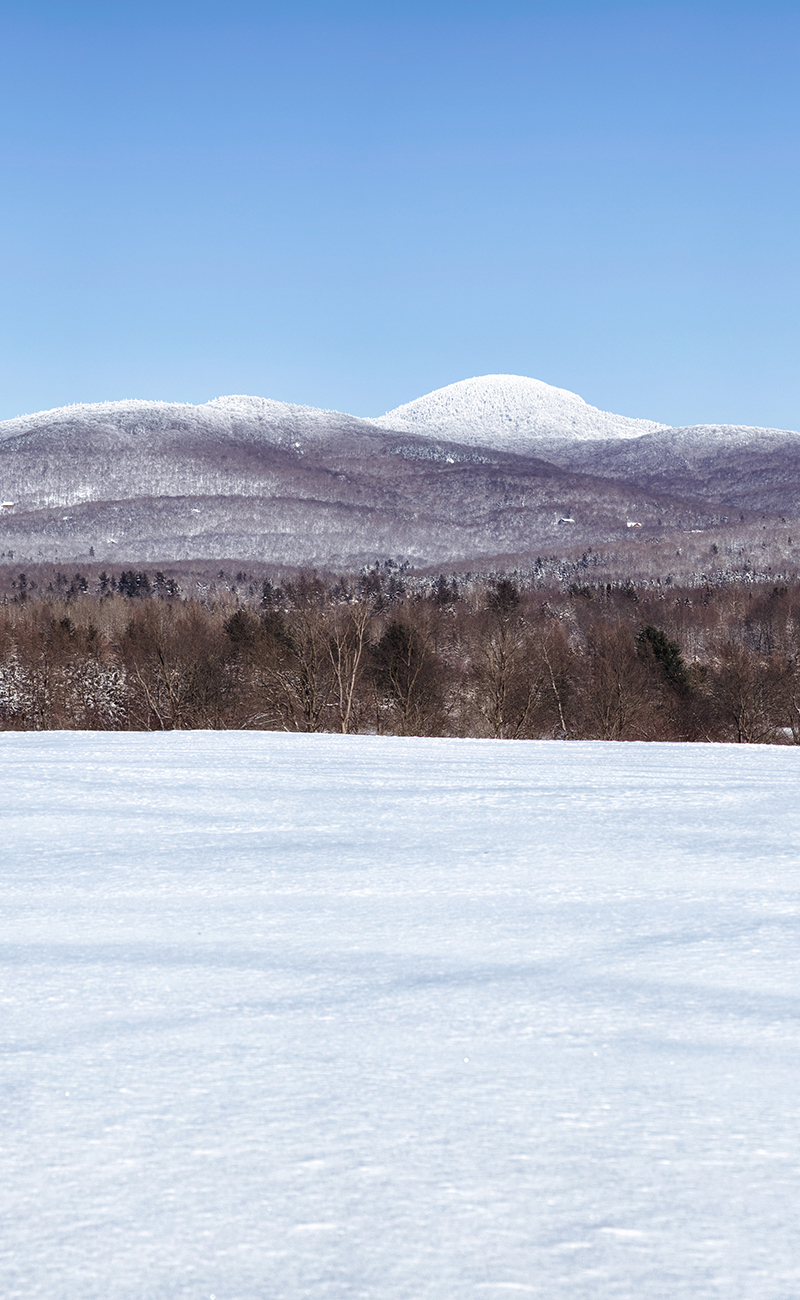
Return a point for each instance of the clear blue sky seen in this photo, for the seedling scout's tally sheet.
(350, 204)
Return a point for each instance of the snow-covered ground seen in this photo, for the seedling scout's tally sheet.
(320, 1016)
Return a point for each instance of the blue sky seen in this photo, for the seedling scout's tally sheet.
(350, 204)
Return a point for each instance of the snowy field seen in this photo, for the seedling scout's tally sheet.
(315, 1016)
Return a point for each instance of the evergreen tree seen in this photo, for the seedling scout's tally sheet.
(652, 641)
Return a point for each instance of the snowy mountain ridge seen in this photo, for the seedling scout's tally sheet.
(510, 413)
(255, 418)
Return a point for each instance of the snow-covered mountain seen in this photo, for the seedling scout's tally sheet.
(509, 413)
(135, 423)
(512, 413)
(487, 467)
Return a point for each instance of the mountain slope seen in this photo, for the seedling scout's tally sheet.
(339, 504)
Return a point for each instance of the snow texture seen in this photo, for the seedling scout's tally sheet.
(510, 412)
(344, 1017)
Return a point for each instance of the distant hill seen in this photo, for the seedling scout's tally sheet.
(490, 471)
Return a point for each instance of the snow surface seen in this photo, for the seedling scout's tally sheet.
(326, 1016)
(511, 412)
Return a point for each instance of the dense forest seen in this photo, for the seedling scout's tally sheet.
(387, 653)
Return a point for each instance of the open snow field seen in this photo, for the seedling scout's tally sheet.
(317, 1016)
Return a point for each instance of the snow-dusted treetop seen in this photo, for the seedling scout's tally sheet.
(510, 411)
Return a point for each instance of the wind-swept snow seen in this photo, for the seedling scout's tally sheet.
(402, 1019)
(510, 412)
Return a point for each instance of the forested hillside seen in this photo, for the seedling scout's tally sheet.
(388, 653)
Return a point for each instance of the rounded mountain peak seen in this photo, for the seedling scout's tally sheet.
(511, 412)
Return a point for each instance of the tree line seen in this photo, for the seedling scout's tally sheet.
(388, 654)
